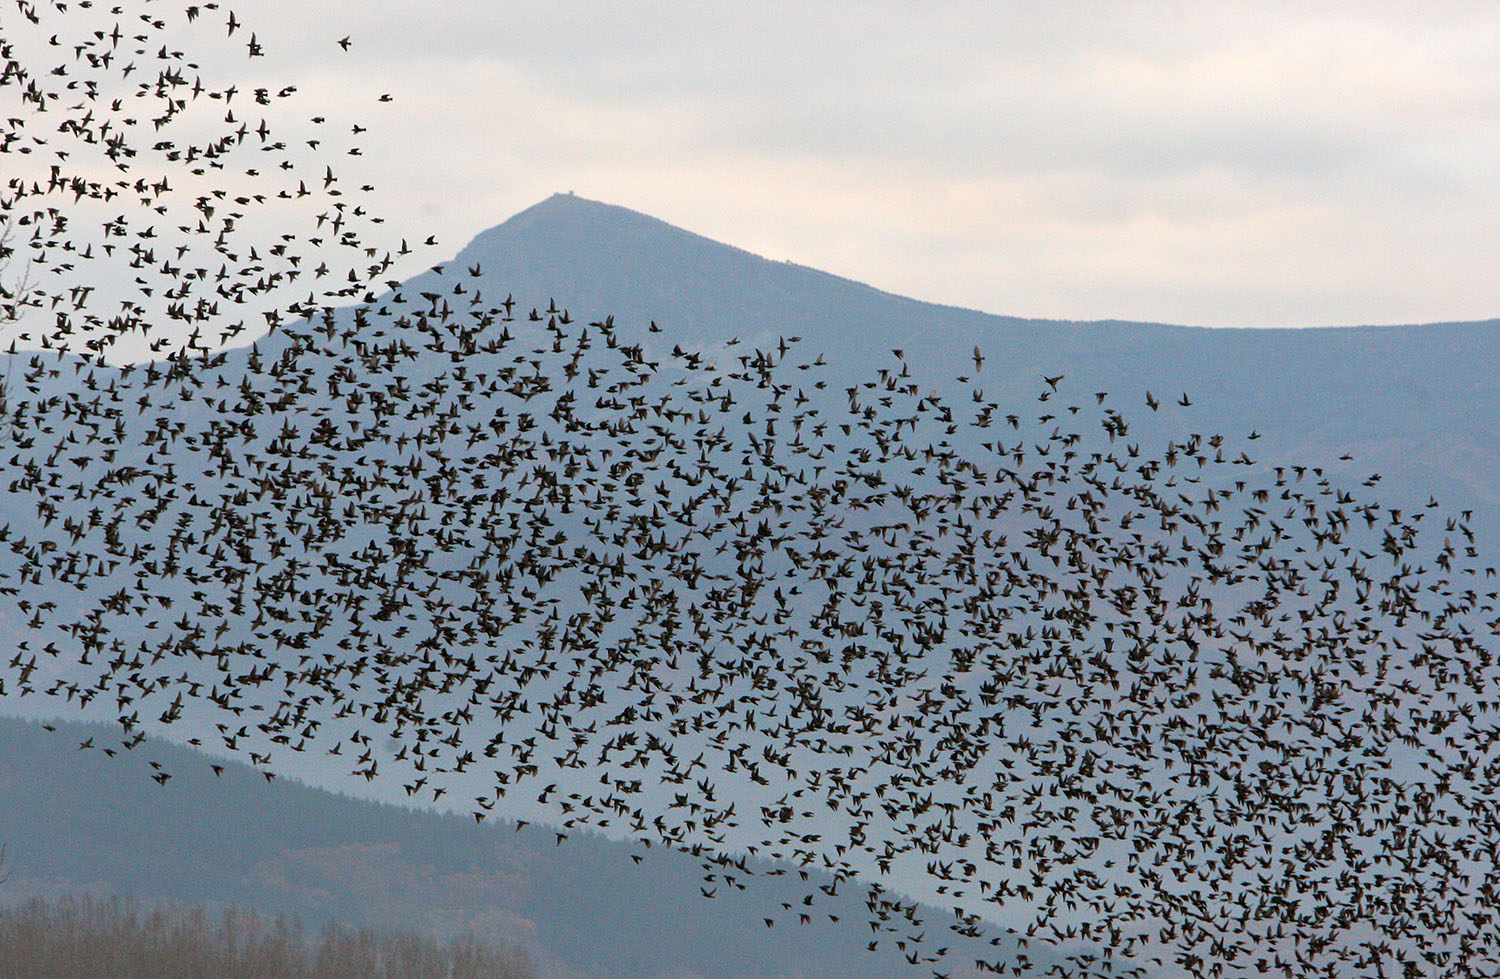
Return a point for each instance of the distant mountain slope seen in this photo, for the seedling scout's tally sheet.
(75, 821)
(1419, 404)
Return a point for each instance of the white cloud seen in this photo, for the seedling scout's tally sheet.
(1212, 162)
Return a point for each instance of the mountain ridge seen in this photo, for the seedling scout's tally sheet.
(563, 211)
(232, 839)
(1390, 396)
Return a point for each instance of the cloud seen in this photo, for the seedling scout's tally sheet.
(1216, 162)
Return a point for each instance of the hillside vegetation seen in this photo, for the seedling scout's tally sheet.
(83, 938)
(78, 822)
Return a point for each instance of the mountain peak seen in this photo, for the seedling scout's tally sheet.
(566, 203)
(565, 219)
(602, 259)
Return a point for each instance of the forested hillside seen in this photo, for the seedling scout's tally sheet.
(77, 822)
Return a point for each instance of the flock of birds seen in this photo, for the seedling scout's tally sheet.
(1184, 711)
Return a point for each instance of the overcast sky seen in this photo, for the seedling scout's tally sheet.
(1210, 162)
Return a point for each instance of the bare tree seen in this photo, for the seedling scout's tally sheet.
(15, 287)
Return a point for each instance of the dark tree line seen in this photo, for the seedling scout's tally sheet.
(84, 938)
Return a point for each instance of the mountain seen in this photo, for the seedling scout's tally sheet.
(1419, 404)
(78, 822)
(705, 597)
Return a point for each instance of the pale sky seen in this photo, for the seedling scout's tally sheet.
(1210, 163)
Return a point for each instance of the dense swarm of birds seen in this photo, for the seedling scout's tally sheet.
(1179, 709)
